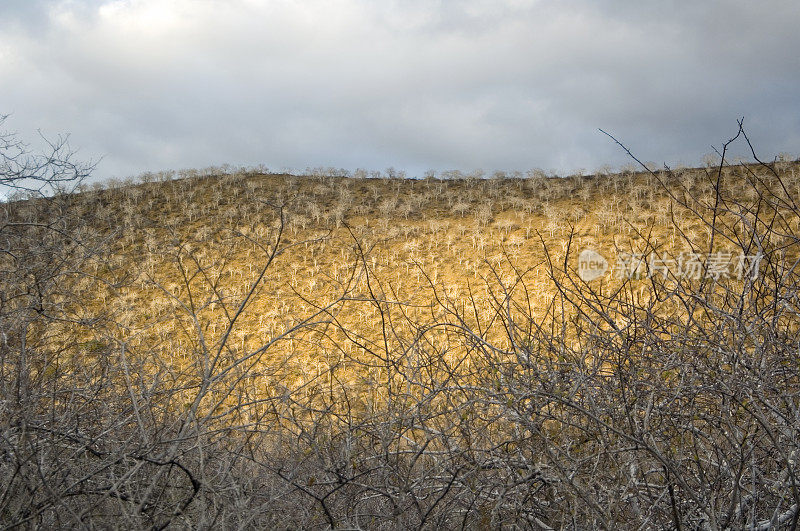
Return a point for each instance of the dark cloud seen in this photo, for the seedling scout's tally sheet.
(509, 84)
(29, 12)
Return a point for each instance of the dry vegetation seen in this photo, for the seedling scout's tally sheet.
(330, 351)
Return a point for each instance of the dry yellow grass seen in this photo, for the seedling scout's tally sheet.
(364, 348)
(188, 251)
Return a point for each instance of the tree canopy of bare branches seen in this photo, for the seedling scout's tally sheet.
(190, 388)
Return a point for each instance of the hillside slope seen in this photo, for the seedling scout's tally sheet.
(328, 352)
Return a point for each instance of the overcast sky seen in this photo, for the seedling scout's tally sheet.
(492, 84)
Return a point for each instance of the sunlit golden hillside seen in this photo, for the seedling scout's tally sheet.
(184, 254)
(372, 352)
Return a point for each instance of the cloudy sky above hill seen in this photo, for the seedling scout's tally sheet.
(412, 84)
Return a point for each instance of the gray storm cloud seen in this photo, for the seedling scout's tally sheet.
(513, 84)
